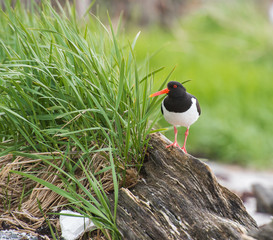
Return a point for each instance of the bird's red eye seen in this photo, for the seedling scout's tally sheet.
(174, 86)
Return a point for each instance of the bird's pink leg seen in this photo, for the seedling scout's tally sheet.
(186, 136)
(175, 139)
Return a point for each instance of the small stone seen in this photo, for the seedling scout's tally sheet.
(264, 197)
(14, 235)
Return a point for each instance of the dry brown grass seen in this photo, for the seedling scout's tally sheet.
(19, 208)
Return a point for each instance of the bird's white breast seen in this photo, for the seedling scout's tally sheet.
(182, 119)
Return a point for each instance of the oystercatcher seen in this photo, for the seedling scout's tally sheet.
(179, 108)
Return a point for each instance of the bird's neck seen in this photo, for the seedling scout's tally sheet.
(181, 95)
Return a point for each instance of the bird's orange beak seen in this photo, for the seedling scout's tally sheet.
(166, 90)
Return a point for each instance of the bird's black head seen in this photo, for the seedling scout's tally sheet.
(176, 89)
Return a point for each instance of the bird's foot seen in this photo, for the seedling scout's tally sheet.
(184, 149)
(175, 144)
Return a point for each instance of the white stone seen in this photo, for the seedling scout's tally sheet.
(73, 227)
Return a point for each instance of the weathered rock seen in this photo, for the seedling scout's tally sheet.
(264, 197)
(180, 198)
(264, 233)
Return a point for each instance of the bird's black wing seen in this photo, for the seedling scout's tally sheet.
(197, 104)
(198, 107)
(161, 109)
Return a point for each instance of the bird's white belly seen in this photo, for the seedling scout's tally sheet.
(182, 119)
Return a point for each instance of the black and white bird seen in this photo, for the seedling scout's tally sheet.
(179, 108)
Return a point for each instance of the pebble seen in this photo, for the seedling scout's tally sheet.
(264, 198)
(14, 235)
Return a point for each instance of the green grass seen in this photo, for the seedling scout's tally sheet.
(60, 79)
(73, 86)
(226, 50)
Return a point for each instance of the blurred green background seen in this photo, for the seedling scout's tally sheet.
(226, 49)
